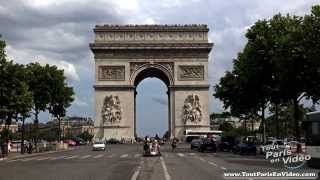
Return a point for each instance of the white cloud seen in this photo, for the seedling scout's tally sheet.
(79, 102)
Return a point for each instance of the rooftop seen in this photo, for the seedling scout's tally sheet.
(154, 27)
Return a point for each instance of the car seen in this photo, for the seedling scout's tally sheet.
(70, 142)
(151, 148)
(195, 143)
(99, 145)
(246, 146)
(113, 141)
(226, 143)
(207, 144)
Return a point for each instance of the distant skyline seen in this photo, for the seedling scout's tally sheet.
(59, 33)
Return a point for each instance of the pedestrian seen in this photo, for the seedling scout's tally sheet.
(30, 148)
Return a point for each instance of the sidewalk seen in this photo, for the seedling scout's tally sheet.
(15, 155)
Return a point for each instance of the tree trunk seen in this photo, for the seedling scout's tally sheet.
(296, 119)
(263, 125)
(59, 129)
(22, 136)
(36, 126)
(277, 121)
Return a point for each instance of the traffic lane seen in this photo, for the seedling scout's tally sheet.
(90, 168)
(184, 167)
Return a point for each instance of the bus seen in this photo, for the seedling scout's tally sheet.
(192, 134)
(312, 130)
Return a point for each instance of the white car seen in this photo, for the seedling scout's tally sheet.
(272, 144)
(99, 145)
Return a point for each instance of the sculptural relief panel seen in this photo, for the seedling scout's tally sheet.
(111, 110)
(192, 109)
(111, 73)
(189, 73)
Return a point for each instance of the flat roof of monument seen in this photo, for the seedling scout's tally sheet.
(153, 27)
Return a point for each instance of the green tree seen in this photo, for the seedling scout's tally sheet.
(86, 136)
(61, 95)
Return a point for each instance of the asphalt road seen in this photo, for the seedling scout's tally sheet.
(125, 162)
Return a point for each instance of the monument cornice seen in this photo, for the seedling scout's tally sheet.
(150, 28)
(113, 87)
(193, 86)
(95, 46)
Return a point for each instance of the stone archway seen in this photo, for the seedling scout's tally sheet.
(125, 55)
(160, 71)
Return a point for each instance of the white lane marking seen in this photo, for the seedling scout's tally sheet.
(136, 172)
(44, 158)
(137, 155)
(165, 170)
(71, 157)
(201, 159)
(124, 156)
(85, 157)
(192, 154)
(14, 160)
(57, 158)
(212, 163)
(28, 159)
(98, 156)
(2, 159)
(180, 154)
(223, 168)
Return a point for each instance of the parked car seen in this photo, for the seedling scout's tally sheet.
(207, 144)
(113, 141)
(245, 149)
(226, 143)
(195, 143)
(70, 142)
(99, 145)
(79, 141)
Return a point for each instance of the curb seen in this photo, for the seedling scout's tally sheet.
(36, 154)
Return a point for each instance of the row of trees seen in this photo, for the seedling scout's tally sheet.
(279, 66)
(27, 90)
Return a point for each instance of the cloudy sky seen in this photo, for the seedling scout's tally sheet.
(59, 31)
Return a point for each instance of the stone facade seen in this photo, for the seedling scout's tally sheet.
(127, 54)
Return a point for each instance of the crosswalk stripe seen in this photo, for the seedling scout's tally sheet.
(71, 157)
(14, 160)
(124, 156)
(85, 157)
(180, 154)
(192, 154)
(98, 156)
(137, 155)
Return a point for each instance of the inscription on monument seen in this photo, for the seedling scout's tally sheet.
(191, 73)
(111, 73)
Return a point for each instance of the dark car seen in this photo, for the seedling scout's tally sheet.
(227, 143)
(245, 148)
(207, 144)
(113, 141)
(195, 143)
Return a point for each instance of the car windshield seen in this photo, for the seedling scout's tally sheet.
(99, 143)
(280, 142)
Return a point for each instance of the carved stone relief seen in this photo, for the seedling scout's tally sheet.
(189, 73)
(111, 110)
(192, 109)
(111, 73)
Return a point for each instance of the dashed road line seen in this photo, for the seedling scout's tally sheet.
(124, 156)
(98, 156)
(180, 154)
(85, 157)
(212, 163)
(14, 160)
(57, 158)
(165, 170)
(223, 168)
(137, 171)
(192, 154)
(71, 157)
(44, 158)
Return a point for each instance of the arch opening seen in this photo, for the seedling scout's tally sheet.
(152, 91)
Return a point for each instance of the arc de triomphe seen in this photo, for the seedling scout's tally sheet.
(126, 54)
